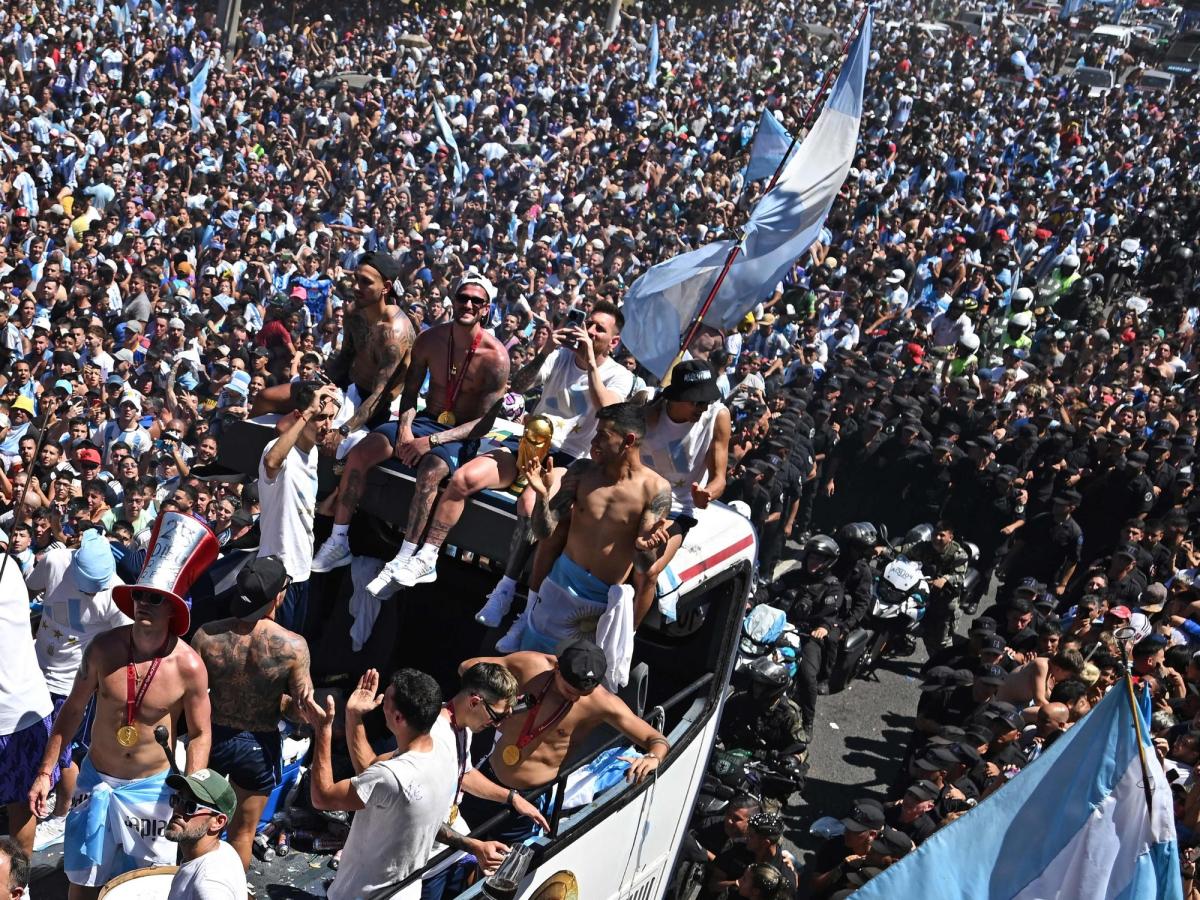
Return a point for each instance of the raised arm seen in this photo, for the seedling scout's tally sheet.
(549, 511)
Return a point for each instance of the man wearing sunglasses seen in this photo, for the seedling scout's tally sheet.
(486, 696)
(201, 807)
(467, 370)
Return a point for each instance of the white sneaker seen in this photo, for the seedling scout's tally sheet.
(384, 584)
(49, 832)
(417, 569)
(511, 642)
(334, 552)
(499, 602)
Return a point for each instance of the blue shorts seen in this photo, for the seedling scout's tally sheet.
(78, 747)
(452, 453)
(253, 760)
(20, 757)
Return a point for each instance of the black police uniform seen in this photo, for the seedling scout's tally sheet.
(820, 602)
(1048, 548)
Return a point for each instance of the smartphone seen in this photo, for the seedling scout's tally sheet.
(575, 317)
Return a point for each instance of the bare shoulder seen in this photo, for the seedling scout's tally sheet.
(187, 660)
(527, 665)
(283, 642)
(429, 339)
(110, 643)
(399, 328)
(654, 484)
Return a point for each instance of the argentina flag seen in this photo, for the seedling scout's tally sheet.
(1074, 824)
(662, 303)
(771, 142)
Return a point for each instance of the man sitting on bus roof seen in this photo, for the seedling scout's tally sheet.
(568, 700)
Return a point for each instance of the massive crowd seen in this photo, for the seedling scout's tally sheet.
(993, 335)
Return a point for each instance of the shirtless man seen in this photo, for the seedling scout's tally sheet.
(687, 442)
(468, 374)
(1033, 682)
(570, 701)
(252, 663)
(609, 515)
(146, 662)
(374, 357)
(577, 378)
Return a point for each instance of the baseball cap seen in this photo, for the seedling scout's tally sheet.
(299, 292)
(867, 816)
(88, 455)
(935, 758)
(923, 789)
(176, 322)
(207, 787)
(131, 397)
(995, 675)
(692, 382)
(983, 625)
(475, 278)
(892, 842)
(582, 665)
(258, 584)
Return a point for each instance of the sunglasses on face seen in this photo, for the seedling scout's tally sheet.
(495, 717)
(188, 807)
(148, 599)
(471, 301)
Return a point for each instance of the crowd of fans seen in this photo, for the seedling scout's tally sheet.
(993, 334)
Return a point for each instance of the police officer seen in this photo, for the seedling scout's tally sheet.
(944, 563)
(762, 718)
(821, 610)
(859, 544)
(1048, 546)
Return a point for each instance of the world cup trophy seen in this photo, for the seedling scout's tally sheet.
(535, 444)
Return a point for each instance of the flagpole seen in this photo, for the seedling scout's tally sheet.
(737, 247)
(1147, 782)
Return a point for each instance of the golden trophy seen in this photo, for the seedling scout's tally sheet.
(535, 444)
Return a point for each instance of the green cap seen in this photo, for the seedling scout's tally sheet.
(207, 787)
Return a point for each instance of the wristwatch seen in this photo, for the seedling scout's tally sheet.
(434, 441)
(344, 430)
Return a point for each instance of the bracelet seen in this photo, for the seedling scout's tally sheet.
(658, 740)
(509, 800)
(46, 773)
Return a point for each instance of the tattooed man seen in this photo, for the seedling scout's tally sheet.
(609, 516)
(256, 668)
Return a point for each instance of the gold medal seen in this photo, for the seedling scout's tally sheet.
(453, 814)
(511, 755)
(127, 735)
(446, 418)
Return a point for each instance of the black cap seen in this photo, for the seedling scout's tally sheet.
(983, 625)
(859, 877)
(924, 790)
(892, 842)
(992, 643)
(936, 758)
(967, 754)
(1072, 498)
(692, 381)
(1137, 459)
(258, 584)
(867, 816)
(582, 665)
(991, 674)
(1020, 605)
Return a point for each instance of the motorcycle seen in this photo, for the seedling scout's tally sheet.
(901, 594)
(1123, 269)
(766, 631)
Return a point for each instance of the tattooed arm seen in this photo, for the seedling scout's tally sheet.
(396, 348)
(549, 511)
(418, 367)
(300, 686)
(527, 376)
(652, 534)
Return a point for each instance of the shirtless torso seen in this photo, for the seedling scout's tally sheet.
(1031, 683)
(543, 756)
(180, 683)
(252, 665)
(441, 352)
(375, 354)
(611, 508)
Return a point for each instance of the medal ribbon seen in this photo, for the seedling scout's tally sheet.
(527, 731)
(460, 740)
(132, 703)
(452, 388)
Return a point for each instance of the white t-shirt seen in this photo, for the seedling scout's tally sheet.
(70, 618)
(217, 875)
(288, 506)
(443, 732)
(407, 798)
(678, 451)
(567, 399)
(24, 700)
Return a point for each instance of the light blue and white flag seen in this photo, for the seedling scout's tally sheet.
(443, 124)
(1073, 824)
(771, 142)
(652, 74)
(662, 303)
(196, 94)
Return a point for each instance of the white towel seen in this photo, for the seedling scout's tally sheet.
(614, 634)
(364, 607)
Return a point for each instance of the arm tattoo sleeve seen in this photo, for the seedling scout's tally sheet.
(547, 514)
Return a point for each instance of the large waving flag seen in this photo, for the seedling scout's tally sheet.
(196, 93)
(1075, 824)
(443, 124)
(652, 75)
(771, 144)
(663, 302)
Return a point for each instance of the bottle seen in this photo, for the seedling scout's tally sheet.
(282, 845)
(262, 845)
